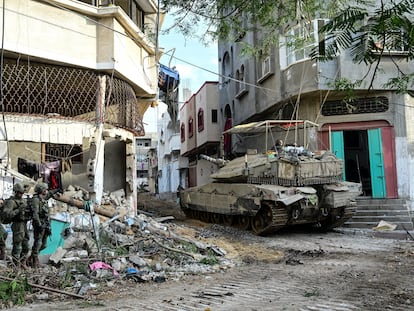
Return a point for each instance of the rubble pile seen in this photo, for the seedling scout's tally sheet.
(109, 248)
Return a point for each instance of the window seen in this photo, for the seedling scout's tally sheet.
(190, 127)
(241, 82)
(225, 69)
(265, 66)
(214, 116)
(200, 119)
(394, 43)
(59, 151)
(357, 106)
(301, 40)
(182, 132)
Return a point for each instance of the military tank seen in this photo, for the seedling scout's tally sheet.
(267, 192)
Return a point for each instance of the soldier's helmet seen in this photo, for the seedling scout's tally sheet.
(18, 187)
(40, 187)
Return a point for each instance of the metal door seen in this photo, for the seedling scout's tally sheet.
(376, 162)
(337, 146)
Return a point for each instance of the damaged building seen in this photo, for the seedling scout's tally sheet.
(76, 79)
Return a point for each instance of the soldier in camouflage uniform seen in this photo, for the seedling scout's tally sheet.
(41, 221)
(3, 238)
(16, 208)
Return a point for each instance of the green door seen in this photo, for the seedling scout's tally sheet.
(337, 146)
(376, 163)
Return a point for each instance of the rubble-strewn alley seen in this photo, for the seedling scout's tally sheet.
(99, 249)
(159, 260)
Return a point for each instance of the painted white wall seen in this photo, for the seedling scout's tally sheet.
(70, 36)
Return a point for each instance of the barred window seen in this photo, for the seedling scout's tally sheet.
(60, 151)
(363, 105)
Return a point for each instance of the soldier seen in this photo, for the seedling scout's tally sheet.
(3, 238)
(41, 221)
(16, 208)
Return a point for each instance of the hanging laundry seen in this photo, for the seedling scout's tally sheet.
(28, 168)
(50, 171)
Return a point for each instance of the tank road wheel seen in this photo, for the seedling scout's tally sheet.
(244, 222)
(205, 216)
(228, 220)
(216, 218)
(262, 219)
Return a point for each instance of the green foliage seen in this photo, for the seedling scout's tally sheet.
(367, 29)
(14, 291)
(403, 84)
(188, 247)
(121, 251)
(312, 293)
(370, 31)
(347, 86)
(66, 281)
(89, 304)
(210, 259)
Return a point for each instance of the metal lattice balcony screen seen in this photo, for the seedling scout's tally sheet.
(32, 88)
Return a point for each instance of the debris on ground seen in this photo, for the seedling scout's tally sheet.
(105, 247)
(385, 226)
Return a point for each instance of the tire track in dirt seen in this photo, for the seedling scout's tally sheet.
(258, 288)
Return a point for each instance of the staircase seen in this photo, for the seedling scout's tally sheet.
(370, 212)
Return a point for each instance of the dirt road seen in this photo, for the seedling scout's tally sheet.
(291, 270)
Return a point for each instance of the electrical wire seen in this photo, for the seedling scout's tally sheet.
(1, 84)
(167, 53)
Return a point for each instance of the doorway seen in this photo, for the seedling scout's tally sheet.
(356, 159)
(363, 156)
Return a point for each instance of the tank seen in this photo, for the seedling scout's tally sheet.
(267, 192)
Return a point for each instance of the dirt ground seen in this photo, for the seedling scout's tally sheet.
(293, 269)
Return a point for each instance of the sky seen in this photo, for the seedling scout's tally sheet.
(189, 53)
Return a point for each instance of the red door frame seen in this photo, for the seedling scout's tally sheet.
(388, 147)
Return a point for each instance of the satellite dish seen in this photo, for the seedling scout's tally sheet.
(3, 149)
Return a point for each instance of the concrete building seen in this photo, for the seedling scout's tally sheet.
(200, 134)
(77, 77)
(144, 163)
(169, 160)
(373, 133)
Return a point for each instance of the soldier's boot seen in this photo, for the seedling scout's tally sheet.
(2, 253)
(15, 263)
(23, 263)
(35, 261)
(29, 261)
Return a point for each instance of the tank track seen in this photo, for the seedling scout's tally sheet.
(269, 219)
(279, 220)
(349, 211)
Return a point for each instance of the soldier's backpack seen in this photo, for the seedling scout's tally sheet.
(5, 215)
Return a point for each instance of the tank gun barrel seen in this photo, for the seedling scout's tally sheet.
(220, 162)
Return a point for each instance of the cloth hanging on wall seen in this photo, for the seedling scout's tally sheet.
(50, 172)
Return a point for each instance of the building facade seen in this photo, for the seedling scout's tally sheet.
(373, 134)
(200, 134)
(77, 77)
